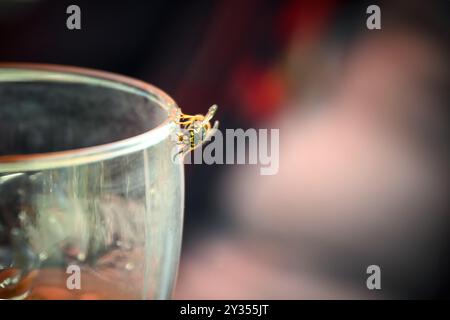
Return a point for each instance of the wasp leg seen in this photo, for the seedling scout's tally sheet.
(183, 152)
(188, 116)
(184, 122)
(186, 119)
(176, 155)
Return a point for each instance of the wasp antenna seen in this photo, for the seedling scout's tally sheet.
(211, 111)
(213, 108)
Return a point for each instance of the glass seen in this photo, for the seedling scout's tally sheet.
(91, 203)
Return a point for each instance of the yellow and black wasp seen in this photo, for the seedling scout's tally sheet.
(196, 129)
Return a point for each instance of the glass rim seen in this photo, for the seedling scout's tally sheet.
(79, 156)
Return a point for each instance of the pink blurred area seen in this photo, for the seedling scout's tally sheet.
(363, 166)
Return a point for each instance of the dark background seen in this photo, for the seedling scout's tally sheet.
(201, 53)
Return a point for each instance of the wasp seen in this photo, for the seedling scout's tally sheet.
(196, 129)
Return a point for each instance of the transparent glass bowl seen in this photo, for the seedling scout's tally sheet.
(91, 203)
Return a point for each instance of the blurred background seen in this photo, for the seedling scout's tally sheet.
(363, 120)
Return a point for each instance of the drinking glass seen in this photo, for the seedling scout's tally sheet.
(91, 201)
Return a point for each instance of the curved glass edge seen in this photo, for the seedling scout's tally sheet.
(51, 160)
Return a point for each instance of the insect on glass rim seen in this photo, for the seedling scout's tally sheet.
(60, 73)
